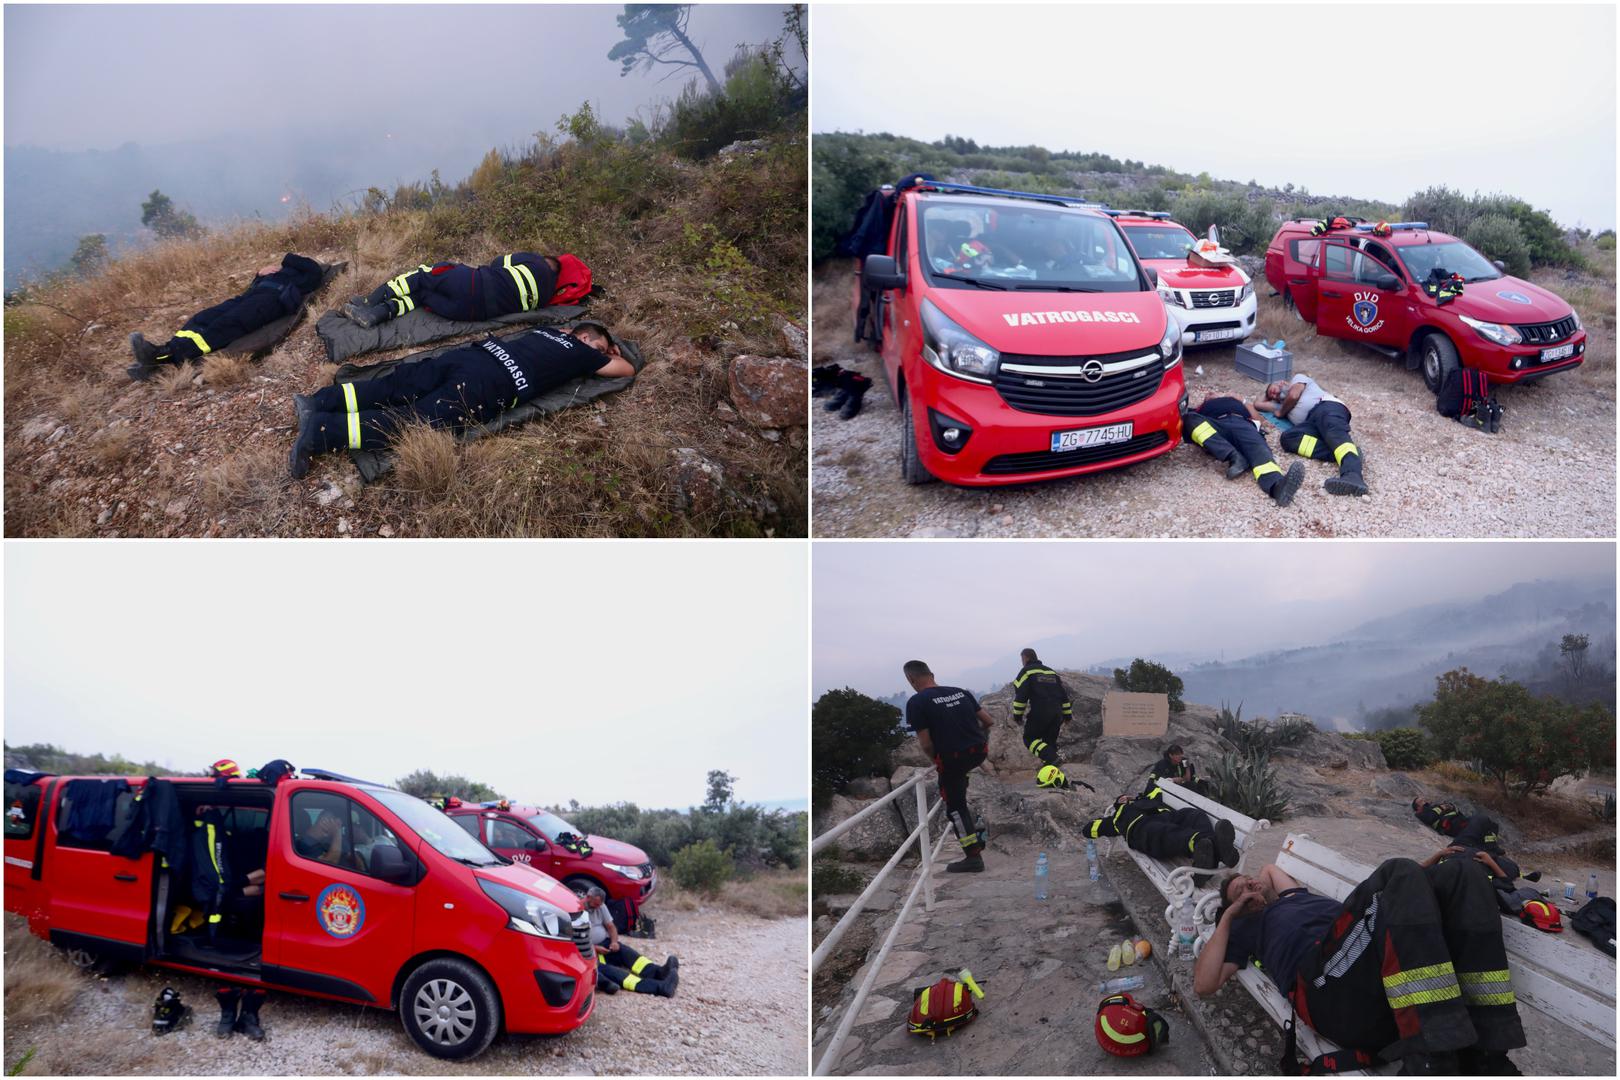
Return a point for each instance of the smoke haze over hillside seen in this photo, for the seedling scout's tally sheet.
(237, 111)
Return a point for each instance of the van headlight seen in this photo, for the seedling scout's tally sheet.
(529, 914)
(1245, 292)
(631, 872)
(1171, 296)
(1170, 344)
(1502, 335)
(953, 350)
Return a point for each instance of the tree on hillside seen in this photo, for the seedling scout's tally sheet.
(655, 34)
(159, 214)
(720, 796)
(1573, 650)
(90, 256)
(425, 784)
(1521, 741)
(1147, 677)
(851, 735)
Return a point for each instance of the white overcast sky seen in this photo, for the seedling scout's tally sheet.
(961, 605)
(1370, 100)
(602, 672)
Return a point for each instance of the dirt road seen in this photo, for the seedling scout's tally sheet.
(1548, 473)
(740, 1011)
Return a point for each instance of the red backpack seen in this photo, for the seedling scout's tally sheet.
(573, 281)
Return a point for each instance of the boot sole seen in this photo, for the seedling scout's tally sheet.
(297, 465)
(1340, 485)
(1283, 496)
(963, 868)
(1225, 843)
(1204, 854)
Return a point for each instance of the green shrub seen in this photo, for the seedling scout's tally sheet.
(828, 878)
(1148, 677)
(1259, 736)
(1248, 784)
(1404, 748)
(1499, 237)
(851, 736)
(1246, 228)
(1605, 240)
(702, 867)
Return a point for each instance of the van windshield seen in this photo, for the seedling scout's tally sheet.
(1024, 246)
(552, 825)
(1453, 257)
(1159, 241)
(439, 830)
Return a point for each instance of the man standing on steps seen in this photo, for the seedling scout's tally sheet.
(954, 730)
(1042, 701)
(1321, 430)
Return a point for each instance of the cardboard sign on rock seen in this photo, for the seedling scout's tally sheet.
(1135, 715)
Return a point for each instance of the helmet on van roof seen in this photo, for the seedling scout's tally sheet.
(225, 767)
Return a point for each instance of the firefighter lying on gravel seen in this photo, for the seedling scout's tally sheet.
(277, 290)
(456, 389)
(618, 965)
(954, 731)
(1409, 967)
(510, 284)
(1042, 701)
(1154, 828)
(1321, 430)
(1175, 767)
(1229, 430)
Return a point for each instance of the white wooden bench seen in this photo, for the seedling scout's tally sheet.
(1175, 880)
(1565, 978)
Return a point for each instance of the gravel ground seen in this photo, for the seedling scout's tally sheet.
(1549, 473)
(740, 1010)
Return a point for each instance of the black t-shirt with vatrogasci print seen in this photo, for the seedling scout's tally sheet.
(950, 715)
(538, 361)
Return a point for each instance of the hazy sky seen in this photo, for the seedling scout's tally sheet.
(97, 76)
(602, 672)
(960, 605)
(1519, 99)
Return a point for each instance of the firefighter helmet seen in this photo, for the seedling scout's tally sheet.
(224, 767)
(1542, 916)
(1051, 776)
(1126, 1029)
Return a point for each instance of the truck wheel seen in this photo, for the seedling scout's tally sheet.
(450, 1009)
(92, 962)
(580, 883)
(1437, 357)
(911, 466)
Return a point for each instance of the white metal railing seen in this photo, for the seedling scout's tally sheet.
(924, 885)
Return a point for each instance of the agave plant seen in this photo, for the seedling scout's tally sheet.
(1247, 783)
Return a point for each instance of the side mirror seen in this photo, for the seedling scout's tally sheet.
(879, 272)
(1499, 264)
(1152, 276)
(1387, 282)
(391, 865)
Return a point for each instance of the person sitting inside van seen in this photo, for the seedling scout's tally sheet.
(618, 965)
(322, 840)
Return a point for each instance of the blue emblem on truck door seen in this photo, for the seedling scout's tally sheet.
(1364, 313)
(341, 910)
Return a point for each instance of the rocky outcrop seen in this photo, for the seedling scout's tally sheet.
(771, 391)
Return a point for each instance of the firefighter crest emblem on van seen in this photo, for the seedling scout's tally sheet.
(341, 911)
(1364, 313)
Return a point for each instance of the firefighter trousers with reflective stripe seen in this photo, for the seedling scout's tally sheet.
(1415, 965)
(627, 968)
(1325, 436)
(218, 326)
(1222, 436)
(953, 786)
(449, 290)
(1170, 834)
(451, 390)
(1041, 735)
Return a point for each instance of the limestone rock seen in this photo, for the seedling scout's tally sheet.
(771, 391)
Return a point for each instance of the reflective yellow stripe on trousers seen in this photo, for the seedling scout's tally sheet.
(196, 337)
(525, 283)
(354, 415)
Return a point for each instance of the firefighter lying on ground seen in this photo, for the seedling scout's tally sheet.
(1229, 430)
(1042, 701)
(277, 290)
(1175, 767)
(1410, 967)
(954, 731)
(1151, 826)
(620, 966)
(1321, 430)
(510, 284)
(457, 389)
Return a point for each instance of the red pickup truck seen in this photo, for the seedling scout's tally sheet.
(541, 839)
(1381, 285)
(370, 896)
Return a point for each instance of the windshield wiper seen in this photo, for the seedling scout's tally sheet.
(1047, 287)
(975, 281)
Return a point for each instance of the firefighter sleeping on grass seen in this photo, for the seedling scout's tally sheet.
(1410, 967)
(457, 389)
(954, 731)
(1042, 701)
(1156, 829)
(510, 284)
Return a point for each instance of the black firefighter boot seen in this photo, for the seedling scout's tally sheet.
(1236, 466)
(1349, 480)
(1284, 487)
(367, 312)
(229, 998)
(146, 358)
(824, 379)
(169, 1013)
(248, 1022)
(858, 386)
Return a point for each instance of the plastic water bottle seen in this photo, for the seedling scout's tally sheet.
(1122, 985)
(1186, 930)
(1591, 885)
(1091, 858)
(1569, 890)
(1040, 876)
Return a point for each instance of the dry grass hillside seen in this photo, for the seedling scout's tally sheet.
(700, 262)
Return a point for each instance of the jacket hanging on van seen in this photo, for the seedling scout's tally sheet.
(158, 826)
(92, 808)
(210, 862)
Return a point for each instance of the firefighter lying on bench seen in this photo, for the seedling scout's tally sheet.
(1154, 828)
(277, 290)
(512, 283)
(1410, 966)
(457, 389)
(617, 964)
(1229, 430)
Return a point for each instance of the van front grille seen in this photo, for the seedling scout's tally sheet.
(1075, 395)
(1547, 333)
(580, 926)
(1046, 461)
